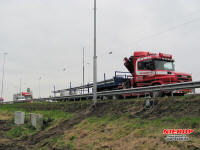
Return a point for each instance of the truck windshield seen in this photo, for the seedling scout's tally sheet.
(164, 65)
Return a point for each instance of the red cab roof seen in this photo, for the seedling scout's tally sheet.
(143, 54)
(140, 53)
(26, 94)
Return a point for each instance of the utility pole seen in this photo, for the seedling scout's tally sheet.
(95, 59)
(83, 69)
(39, 86)
(4, 60)
(20, 86)
(54, 89)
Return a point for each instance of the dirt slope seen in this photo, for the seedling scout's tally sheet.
(123, 124)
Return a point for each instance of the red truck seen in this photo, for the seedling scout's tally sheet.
(23, 96)
(150, 69)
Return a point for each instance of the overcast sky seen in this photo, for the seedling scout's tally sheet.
(42, 37)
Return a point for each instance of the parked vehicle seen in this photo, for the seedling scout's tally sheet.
(23, 96)
(150, 69)
(145, 69)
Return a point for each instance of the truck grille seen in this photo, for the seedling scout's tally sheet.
(184, 78)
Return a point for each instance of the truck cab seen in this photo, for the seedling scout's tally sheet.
(23, 96)
(150, 69)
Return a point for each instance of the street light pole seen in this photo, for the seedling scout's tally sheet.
(88, 72)
(95, 60)
(4, 60)
(83, 69)
(39, 86)
(20, 86)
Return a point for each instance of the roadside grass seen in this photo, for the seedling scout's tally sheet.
(60, 143)
(45, 106)
(57, 142)
(56, 115)
(128, 124)
(20, 131)
(117, 128)
(51, 119)
(5, 115)
(112, 129)
(11, 107)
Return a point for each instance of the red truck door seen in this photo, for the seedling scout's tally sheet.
(144, 72)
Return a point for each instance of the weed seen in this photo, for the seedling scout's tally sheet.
(29, 126)
(47, 122)
(70, 146)
(189, 122)
(20, 131)
(72, 138)
(54, 115)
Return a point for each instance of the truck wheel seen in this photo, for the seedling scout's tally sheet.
(157, 93)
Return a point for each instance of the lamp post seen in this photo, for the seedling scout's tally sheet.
(20, 86)
(39, 86)
(88, 68)
(95, 60)
(4, 60)
(83, 68)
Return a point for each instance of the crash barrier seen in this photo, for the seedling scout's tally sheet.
(115, 93)
(145, 90)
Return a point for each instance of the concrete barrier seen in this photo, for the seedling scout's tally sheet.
(29, 117)
(19, 117)
(36, 120)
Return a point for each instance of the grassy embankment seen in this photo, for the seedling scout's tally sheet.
(119, 125)
(51, 119)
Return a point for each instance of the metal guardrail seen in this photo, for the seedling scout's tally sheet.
(145, 90)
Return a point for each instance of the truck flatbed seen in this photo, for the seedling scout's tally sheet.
(108, 84)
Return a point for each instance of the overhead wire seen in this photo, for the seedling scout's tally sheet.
(169, 29)
(161, 32)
